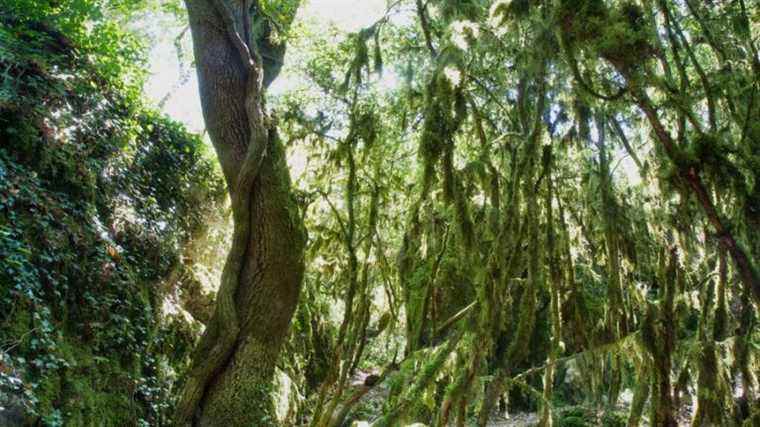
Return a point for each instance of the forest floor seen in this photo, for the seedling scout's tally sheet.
(526, 419)
(514, 420)
(378, 395)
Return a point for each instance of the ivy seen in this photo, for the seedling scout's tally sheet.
(98, 196)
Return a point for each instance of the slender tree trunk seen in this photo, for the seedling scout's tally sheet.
(555, 285)
(233, 365)
(663, 411)
(641, 394)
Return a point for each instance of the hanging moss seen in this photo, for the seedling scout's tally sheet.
(720, 324)
(581, 21)
(458, 9)
(618, 34)
(710, 406)
(641, 393)
(743, 357)
(445, 108)
(625, 41)
(510, 11)
(424, 375)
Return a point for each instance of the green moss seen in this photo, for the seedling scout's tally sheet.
(21, 323)
(78, 282)
(618, 34)
(575, 416)
(625, 40)
(581, 20)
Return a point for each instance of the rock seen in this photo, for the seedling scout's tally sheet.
(286, 397)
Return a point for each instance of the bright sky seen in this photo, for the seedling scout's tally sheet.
(184, 104)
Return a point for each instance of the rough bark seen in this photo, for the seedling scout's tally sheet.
(233, 365)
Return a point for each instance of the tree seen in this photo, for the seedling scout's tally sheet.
(233, 364)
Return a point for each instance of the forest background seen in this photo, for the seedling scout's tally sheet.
(548, 208)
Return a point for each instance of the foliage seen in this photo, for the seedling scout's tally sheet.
(467, 223)
(98, 197)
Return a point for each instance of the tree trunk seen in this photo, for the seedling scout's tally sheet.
(233, 365)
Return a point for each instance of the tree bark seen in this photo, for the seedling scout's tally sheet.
(231, 373)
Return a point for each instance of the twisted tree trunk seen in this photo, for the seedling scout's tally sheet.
(233, 365)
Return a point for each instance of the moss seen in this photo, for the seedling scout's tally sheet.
(709, 391)
(90, 391)
(445, 109)
(581, 20)
(648, 331)
(575, 416)
(48, 390)
(613, 418)
(618, 34)
(640, 396)
(20, 325)
(85, 319)
(453, 9)
(625, 41)
(506, 11)
(87, 405)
